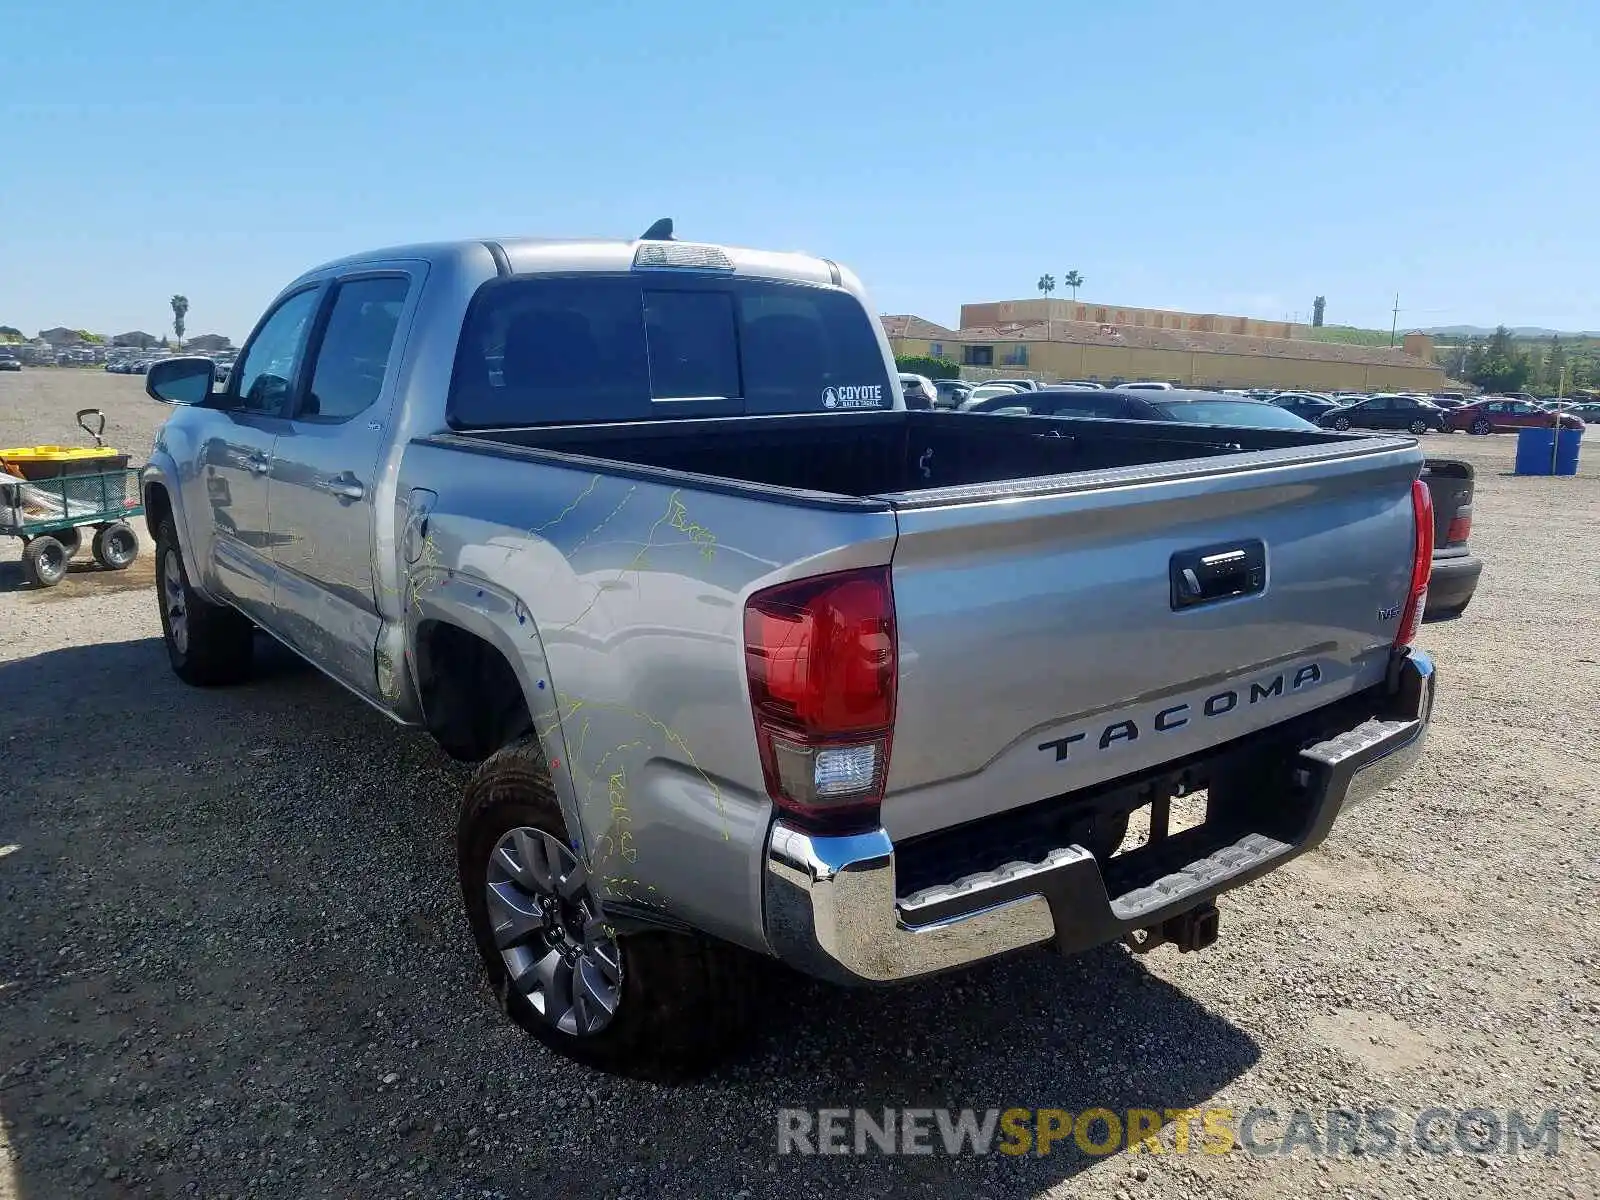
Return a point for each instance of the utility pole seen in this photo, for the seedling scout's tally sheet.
(1394, 324)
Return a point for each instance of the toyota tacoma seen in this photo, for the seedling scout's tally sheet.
(757, 662)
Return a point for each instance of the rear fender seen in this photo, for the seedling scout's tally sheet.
(500, 619)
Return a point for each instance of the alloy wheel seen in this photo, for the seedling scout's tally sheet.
(558, 951)
(175, 601)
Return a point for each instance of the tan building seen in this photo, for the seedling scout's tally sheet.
(1059, 349)
(1028, 312)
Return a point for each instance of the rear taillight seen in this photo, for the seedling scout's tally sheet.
(1460, 527)
(1421, 563)
(821, 658)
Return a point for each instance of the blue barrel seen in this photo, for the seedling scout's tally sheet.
(1567, 451)
(1533, 451)
(1534, 447)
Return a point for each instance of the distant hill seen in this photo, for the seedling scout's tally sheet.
(1521, 331)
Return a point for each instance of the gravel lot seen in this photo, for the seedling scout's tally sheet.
(233, 961)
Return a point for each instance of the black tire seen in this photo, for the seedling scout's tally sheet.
(686, 1001)
(1481, 427)
(218, 643)
(44, 561)
(71, 540)
(1420, 427)
(1341, 423)
(115, 546)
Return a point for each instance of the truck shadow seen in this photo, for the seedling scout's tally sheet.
(234, 956)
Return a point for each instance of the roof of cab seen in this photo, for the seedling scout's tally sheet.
(528, 256)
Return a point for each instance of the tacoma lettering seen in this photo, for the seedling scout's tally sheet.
(1218, 704)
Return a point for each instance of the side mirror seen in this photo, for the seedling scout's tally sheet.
(180, 380)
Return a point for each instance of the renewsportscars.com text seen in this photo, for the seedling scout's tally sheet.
(1259, 1131)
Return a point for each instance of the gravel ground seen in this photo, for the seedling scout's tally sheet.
(233, 960)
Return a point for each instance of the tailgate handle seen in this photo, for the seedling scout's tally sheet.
(1211, 573)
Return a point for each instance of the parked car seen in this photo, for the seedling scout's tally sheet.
(1148, 385)
(918, 391)
(9, 361)
(708, 622)
(1304, 405)
(1022, 385)
(949, 393)
(1500, 414)
(1080, 383)
(988, 391)
(1386, 412)
(1193, 407)
(1455, 569)
(1588, 412)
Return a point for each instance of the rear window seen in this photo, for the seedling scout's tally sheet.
(1225, 412)
(1088, 406)
(552, 350)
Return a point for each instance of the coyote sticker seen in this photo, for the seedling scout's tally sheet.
(853, 397)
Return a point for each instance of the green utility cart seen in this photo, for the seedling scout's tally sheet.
(50, 494)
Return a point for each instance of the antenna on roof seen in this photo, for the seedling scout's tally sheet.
(661, 231)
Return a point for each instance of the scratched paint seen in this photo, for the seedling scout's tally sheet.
(676, 518)
(568, 707)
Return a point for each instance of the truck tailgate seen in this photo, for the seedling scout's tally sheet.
(1049, 640)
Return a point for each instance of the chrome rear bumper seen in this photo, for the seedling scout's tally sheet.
(832, 910)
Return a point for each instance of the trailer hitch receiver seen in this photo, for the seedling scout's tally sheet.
(1192, 930)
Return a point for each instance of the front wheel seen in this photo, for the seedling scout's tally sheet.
(208, 644)
(652, 1004)
(1481, 427)
(1341, 423)
(1418, 427)
(44, 561)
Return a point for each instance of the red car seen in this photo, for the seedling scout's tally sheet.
(1496, 414)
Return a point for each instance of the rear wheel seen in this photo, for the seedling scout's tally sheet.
(652, 1004)
(44, 561)
(208, 644)
(115, 546)
(1481, 427)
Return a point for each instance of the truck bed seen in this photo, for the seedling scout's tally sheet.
(1036, 569)
(903, 456)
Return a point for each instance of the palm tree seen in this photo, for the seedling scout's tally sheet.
(1047, 284)
(1074, 281)
(180, 309)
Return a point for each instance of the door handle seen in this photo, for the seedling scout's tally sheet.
(1217, 573)
(343, 485)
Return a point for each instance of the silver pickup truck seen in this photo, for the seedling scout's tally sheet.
(757, 661)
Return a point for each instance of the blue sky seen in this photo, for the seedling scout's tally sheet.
(1235, 158)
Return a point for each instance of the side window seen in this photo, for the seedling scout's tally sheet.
(1380, 404)
(355, 349)
(267, 369)
(1404, 403)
